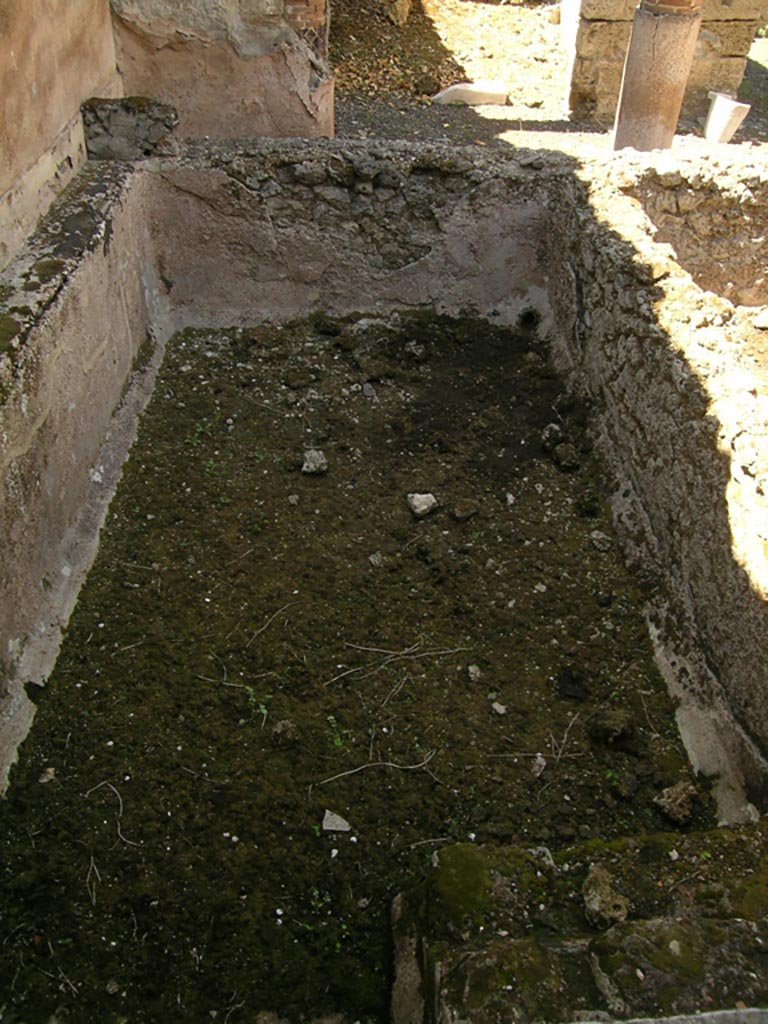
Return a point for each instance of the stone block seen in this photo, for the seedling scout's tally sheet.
(719, 74)
(735, 10)
(595, 86)
(726, 38)
(603, 40)
(608, 10)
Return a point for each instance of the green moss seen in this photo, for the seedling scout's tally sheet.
(463, 883)
(751, 899)
(9, 329)
(45, 270)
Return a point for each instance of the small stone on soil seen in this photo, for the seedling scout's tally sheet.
(315, 462)
(464, 510)
(677, 801)
(603, 905)
(376, 559)
(422, 504)
(566, 457)
(475, 674)
(500, 709)
(601, 541)
(335, 823)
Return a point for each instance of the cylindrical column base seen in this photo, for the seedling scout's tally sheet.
(656, 72)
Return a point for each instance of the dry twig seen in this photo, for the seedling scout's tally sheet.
(269, 622)
(120, 835)
(381, 764)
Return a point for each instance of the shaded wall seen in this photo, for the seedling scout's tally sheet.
(55, 53)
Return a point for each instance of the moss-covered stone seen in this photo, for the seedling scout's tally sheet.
(9, 329)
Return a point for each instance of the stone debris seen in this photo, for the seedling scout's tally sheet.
(500, 709)
(761, 319)
(566, 457)
(473, 93)
(335, 823)
(539, 764)
(422, 504)
(48, 775)
(475, 674)
(677, 801)
(465, 509)
(293, 499)
(376, 559)
(601, 541)
(603, 905)
(551, 437)
(315, 462)
(131, 128)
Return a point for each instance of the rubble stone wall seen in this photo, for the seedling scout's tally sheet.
(232, 68)
(717, 229)
(597, 34)
(55, 54)
(682, 414)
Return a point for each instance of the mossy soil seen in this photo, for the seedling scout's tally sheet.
(256, 645)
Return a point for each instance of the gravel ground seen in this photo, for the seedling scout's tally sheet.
(385, 76)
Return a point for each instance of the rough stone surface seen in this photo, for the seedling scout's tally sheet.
(315, 462)
(128, 129)
(677, 801)
(422, 504)
(514, 943)
(603, 904)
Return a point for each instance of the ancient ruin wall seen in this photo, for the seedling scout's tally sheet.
(280, 229)
(682, 420)
(74, 313)
(597, 35)
(232, 68)
(54, 55)
(718, 229)
(267, 230)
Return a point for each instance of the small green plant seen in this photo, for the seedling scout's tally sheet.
(202, 428)
(338, 740)
(258, 704)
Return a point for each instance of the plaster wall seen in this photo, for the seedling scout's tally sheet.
(232, 68)
(85, 282)
(56, 53)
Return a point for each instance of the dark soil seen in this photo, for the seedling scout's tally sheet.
(257, 645)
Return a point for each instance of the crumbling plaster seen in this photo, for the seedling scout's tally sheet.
(230, 67)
